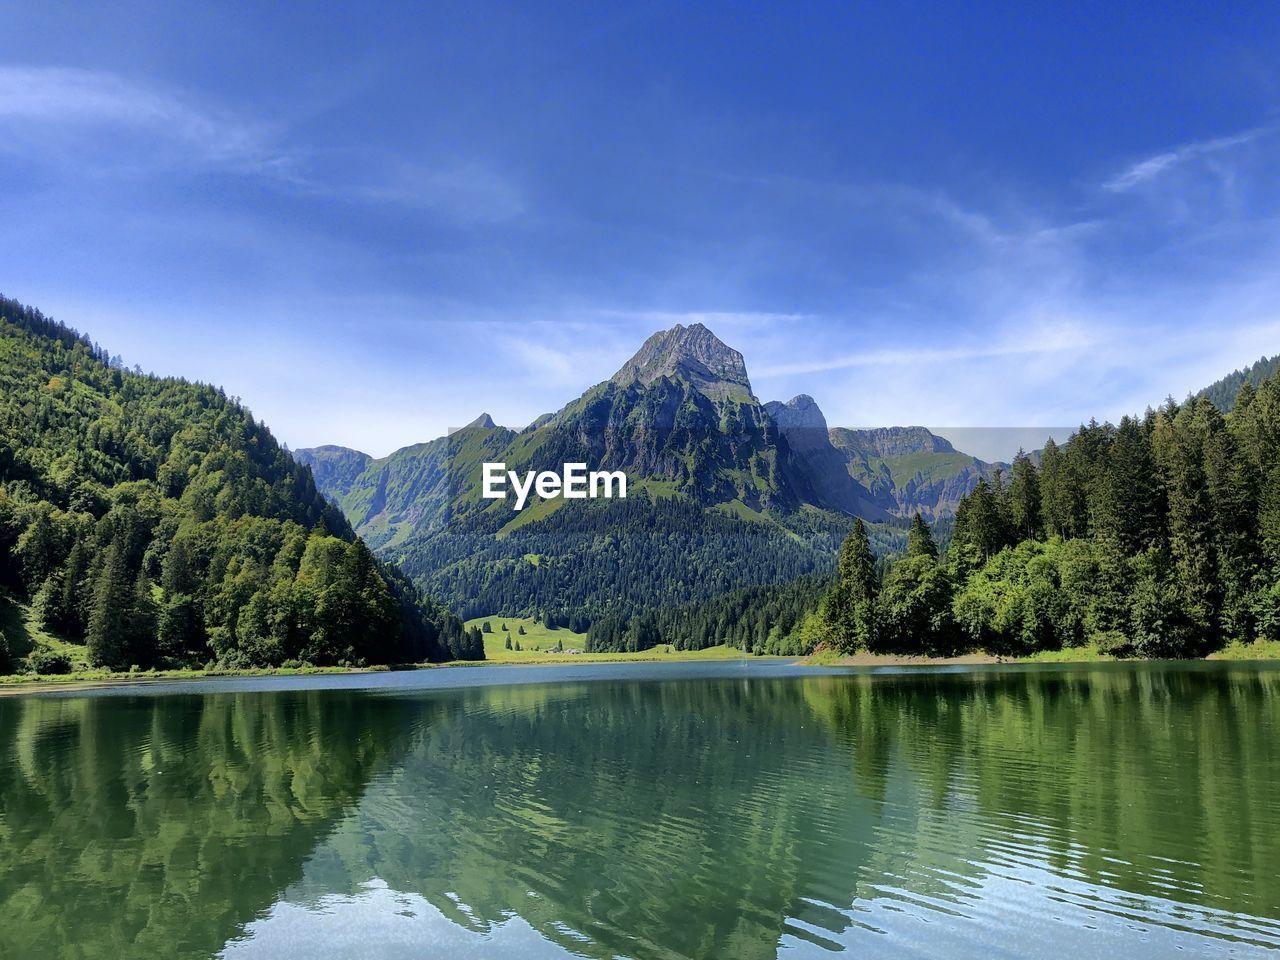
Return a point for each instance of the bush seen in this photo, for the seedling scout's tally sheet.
(6, 662)
(48, 663)
(1113, 643)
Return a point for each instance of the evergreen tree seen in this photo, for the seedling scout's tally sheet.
(849, 607)
(920, 540)
(107, 636)
(1024, 498)
(1062, 494)
(1178, 442)
(1128, 501)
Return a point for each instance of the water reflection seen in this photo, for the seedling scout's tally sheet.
(966, 815)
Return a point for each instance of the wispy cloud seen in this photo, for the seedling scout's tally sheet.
(153, 125)
(466, 191)
(1153, 167)
(66, 97)
(714, 319)
(1048, 340)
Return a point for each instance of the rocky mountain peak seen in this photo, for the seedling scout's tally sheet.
(484, 422)
(692, 354)
(892, 441)
(799, 413)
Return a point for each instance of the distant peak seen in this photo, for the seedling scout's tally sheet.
(894, 441)
(800, 420)
(800, 412)
(484, 422)
(693, 354)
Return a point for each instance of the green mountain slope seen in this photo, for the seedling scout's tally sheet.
(909, 469)
(721, 496)
(154, 521)
(1224, 392)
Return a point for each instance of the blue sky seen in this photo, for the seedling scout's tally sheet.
(373, 225)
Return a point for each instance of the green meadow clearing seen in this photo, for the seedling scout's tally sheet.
(539, 641)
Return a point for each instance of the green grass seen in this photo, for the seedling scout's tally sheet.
(1085, 654)
(1258, 650)
(539, 640)
(658, 489)
(738, 509)
(93, 675)
(25, 635)
(534, 510)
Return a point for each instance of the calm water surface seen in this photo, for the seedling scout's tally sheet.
(649, 811)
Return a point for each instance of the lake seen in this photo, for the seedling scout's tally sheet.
(706, 810)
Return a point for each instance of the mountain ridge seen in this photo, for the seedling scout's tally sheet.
(681, 418)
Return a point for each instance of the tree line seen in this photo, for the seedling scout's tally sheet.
(156, 522)
(1156, 537)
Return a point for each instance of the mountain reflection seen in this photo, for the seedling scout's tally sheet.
(693, 818)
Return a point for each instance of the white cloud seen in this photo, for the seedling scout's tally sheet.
(1046, 339)
(1159, 164)
(466, 191)
(713, 319)
(167, 127)
(69, 97)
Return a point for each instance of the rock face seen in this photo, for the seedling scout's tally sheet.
(801, 418)
(692, 355)
(482, 422)
(909, 469)
(899, 441)
(815, 467)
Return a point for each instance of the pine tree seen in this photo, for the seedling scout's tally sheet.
(920, 540)
(107, 636)
(849, 606)
(1127, 501)
(1024, 498)
(1179, 448)
(1062, 493)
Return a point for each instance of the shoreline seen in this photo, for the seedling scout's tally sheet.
(18, 684)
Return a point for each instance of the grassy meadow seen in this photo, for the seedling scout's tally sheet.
(539, 642)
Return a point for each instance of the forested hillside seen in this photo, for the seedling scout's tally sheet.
(1223, 393)
(1159, 537)
(156, 523)
(725, 493)
(620, 558)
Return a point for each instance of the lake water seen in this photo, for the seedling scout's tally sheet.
(649, 811)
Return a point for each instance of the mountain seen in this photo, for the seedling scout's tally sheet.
(692, 355)
(714, 501)
(725, 492)
(1223, 393)
(817, 467)
(909, 469)
(153, 522)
